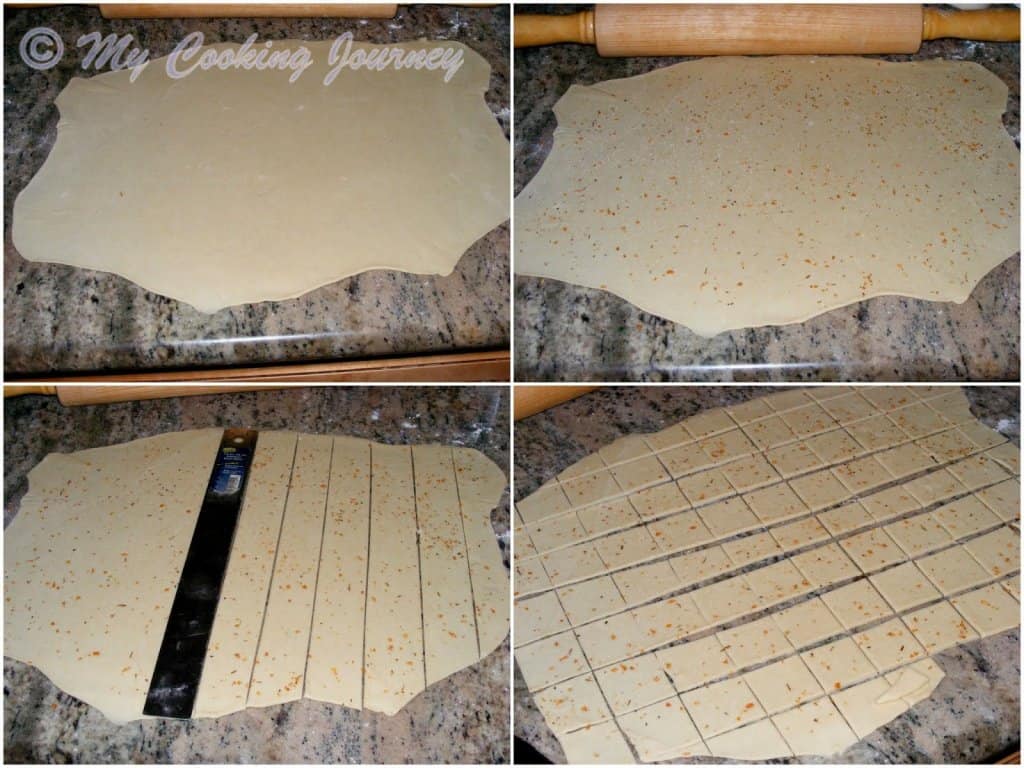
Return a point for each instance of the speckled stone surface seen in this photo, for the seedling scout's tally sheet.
(463, 719)
(60, 318)
(569, 333)
(973, 715)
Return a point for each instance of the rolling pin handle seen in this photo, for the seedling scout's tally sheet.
(533, 29)
(991, 25)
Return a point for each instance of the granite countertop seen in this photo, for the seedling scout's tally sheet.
(63, 319)
(570, 333)
(464, 718)
(973, 715)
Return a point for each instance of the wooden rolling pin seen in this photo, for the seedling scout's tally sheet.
(114, 393)
(529, 400)
(247, 10)
(704, 29)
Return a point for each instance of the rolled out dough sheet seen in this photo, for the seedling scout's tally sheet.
(236, 186)
(812, 678)
(359, 572)
(736, 192)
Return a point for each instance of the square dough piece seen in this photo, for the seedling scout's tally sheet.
(835, 446)
(633, 545)
(750, 472)
(890, 503)
(601, 744)
(639, 473)
(872, 550)
(799, 534)
(640, 584)
(846, 518)
(667, 620)
(572, 704)
(815, 728)
(990, 610)
(756, 742)
(783, 684)
(978, 471)
(806, 623)
(705, 487)
(547, 501)
(685, 460)
(777, 583)
(810, 419)
(723, 706)
(729, 517)
(591, 489)
(588, 465)
(939, 626)
(849, 408)
(662, 731)
(889, 645)
(769, 433)
(820, 490)
(556, 532)
(538, 617)
(634, 683)
(727, 446)
(905, 460)
(698, 566)
(658, 501)
(918, 534)
(1003, 499)
(694, 663)
(754, 642)
(856, 604)
(965, 516)
(933, 487)
(677, 532)
(726, 600)
(609, 516)
(952, 570)
(793, 459)
(824, 566)
(571, 564)
(905, 587)
(550, 661)
(751, 549)
(607, 641)
(919, 420)
(947, 446)
(877, 432)
(591, 599)
(997, 551)
(839, 665)
(775, 503)
(862, 475)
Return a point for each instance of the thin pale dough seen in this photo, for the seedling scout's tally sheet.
(729, 193)
(837, 670)
(235, 186)
(296, 585)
